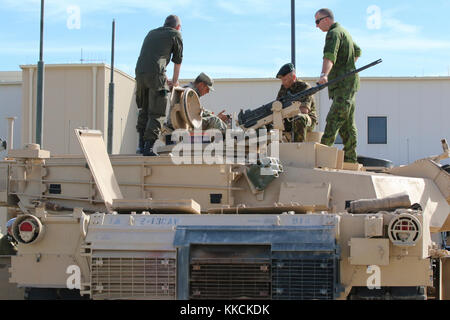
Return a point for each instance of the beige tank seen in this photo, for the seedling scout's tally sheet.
(300, 225)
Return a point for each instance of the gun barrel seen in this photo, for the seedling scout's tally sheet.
(348, 74)
(249, 118)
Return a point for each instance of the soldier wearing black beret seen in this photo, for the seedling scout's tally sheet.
(306, 119)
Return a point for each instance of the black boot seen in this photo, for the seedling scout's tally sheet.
(148, 149)
(140, 149)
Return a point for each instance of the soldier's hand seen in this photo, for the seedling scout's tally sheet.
(323, 79)
(304, 110)
(222, 116)
(170, 84)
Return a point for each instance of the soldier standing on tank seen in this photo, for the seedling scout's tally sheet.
(152, 85)
(306, 120)
(340, 55)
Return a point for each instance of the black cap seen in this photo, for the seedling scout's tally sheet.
(287, 68)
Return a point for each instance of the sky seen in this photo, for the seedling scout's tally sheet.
(229, 38)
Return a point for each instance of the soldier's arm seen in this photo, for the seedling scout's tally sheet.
(327, 65)
(176, 74)
(177, 58)
(305, 106)
(331, 49)
(330, 52)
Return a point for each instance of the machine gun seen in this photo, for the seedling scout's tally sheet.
(286, 106)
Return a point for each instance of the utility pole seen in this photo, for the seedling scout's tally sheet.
(40, 83)
(293, 32)
(111, 93)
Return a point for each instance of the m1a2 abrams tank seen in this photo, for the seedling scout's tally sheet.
(295, 223)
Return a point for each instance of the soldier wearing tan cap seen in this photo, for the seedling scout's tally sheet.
(202, 85)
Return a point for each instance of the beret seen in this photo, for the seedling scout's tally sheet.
(287, 68)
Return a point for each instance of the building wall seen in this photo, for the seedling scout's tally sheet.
(10, 106)
(77, 96)
(417, 111)
(125, 113)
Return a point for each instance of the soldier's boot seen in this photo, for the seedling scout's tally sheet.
(140, 149)
(148, 149)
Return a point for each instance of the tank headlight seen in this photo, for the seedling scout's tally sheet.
(405, 230)
(27, 229)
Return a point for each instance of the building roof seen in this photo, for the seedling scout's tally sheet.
(78, 65)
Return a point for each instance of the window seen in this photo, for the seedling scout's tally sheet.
(377, 130)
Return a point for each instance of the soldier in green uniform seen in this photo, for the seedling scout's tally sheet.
(7, 242)
(306, 120)
(340, 55)
(152, 85)
(203, 84)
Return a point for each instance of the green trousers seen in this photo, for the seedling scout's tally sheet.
(341, 119)
(299, 126)
(152, 100)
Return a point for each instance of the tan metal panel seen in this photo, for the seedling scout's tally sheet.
(95, 152)
(368, 252)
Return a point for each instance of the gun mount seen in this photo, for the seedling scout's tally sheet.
(288, 105)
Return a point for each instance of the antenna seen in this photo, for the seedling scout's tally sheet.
(293, 32)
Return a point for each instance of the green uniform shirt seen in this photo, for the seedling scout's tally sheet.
(299, 86)
(159, 46)
(342, 51)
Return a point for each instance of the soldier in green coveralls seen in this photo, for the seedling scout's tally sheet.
(306, 120)
(152, 85)
(340, 55)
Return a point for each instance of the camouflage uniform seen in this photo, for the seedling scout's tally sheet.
(151, 82)
(303, 122)
(342, 51)
(209, 120)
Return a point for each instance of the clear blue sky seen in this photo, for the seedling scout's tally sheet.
(230, 38)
